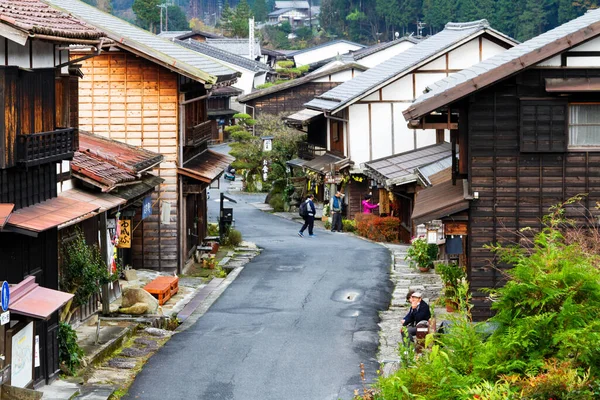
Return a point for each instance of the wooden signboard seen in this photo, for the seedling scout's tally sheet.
(456, 228)
(125, 236)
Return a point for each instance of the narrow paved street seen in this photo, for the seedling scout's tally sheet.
(295, 324)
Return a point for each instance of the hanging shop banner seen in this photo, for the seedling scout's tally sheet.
(147, 207)
(125, 234)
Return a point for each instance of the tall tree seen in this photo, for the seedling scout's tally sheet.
(147, 13)
(177, 20)
(566, 11)
(531, 21)
(226, 17)
(259, 9)
(239, 23)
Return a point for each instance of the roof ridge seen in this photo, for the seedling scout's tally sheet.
(457, 26)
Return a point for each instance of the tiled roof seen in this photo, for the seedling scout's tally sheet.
(292, 4)
(172, 34)
(223, 55)
(130, 158)
(182, 35)
(206, 167)
(36, 17)
(367, 51)
(236, 46)
(298, 81)
(401, 64)
(518, 58)
(148, 45)
(322, 45)
(226, 91)
(410, 166)
(106, 163)
(439, 201)
(279, 12)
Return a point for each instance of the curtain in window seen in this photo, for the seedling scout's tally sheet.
(584, 125)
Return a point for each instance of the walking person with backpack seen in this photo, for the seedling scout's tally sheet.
(336, 209)
(307, 211)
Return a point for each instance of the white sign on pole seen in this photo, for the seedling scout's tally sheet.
(36, 357)
(5, 318)
(21, 373)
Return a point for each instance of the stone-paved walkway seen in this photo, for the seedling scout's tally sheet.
(404, 278)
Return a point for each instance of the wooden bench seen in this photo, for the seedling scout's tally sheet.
(163, 287)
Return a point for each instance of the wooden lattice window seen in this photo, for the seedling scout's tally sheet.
(543, 126)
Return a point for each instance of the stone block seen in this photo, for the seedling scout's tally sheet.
(132, 296)
(130, 275)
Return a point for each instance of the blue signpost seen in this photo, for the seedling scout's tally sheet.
(5, 297)
(147, 207)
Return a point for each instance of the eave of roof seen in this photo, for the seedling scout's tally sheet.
(333, 42)
(506, 64)
(147, 45)
(453, 36)
(223, 55)
(367, 51)
(36, 17)
(299, 81)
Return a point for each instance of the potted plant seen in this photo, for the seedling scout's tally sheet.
(421, 254)
(452, 276)
(326, 210)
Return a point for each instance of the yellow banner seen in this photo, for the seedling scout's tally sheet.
(125, 236)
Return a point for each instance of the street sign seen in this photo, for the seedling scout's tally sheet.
(5, 296)
(5, 318)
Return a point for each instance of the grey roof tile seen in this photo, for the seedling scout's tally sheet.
(402, 63)
(500, 60)
(223, 55)
(324, 45)
(176, 57)
(236, 46)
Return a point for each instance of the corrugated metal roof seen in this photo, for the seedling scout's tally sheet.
(236, 46)
(32, 300)
(36, 17)
(146, 44)
(410, 166)
(5, 210)
(104, 201)
(506, 63)
(439, 201)
(454, 33)
(206, 167)
(223, 55)
(172, 34)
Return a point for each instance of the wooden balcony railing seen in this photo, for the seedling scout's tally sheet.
(199, 134)
(45, 147)
(308, 151)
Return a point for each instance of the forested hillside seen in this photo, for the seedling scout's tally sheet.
(368, 21)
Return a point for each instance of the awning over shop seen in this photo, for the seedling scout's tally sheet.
(322, 164)
(206, 167)
(145, 186)
(439, 201)
(5, 210)
(213, 114)
(302, 117)
(30, 299)
(412, 166)
(49, 214)
(296, 162)
(103, 201)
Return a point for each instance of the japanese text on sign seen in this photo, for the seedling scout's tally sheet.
(125, 234)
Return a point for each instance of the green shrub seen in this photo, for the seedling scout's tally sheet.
(265, 85)
(348, 225)
(232, 238)
(70, 354)
(213, 229)
(277, 202)
(421, 254)
(327, 225)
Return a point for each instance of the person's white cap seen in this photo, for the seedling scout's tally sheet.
(417, 294)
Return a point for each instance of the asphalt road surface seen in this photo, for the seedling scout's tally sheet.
(295, 324)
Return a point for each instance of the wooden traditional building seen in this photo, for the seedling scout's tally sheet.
(150, 92)
(363, 119)
(528, 131)
(37, 134)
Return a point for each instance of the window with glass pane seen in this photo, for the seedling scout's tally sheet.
(584, 125)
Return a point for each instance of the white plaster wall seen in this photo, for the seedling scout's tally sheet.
(372, 97)
(424, 79)
(464, 56)
(425, 137)
(438, 63)
(381, 130)
(18, 55)
(43, 54)
(402, 89)
(490, 49)
(323, 53)
(583, 61)
(358, 118)
(384, 55)
(259, 79)
(403, 137)
(551, 62)
(592, 45)
(341, 76)
(2, 50)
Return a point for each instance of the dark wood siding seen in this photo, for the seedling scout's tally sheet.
(25, 187)
(517, 182)
(290, 100)
(544, 125)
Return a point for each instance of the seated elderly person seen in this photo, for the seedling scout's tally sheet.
(419, 311)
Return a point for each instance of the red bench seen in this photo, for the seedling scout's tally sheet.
(163, 287)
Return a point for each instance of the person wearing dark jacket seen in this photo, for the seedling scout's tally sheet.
(309, 220)
(336, 212)
(419, 311)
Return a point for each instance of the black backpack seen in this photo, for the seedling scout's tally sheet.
(303, 210)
